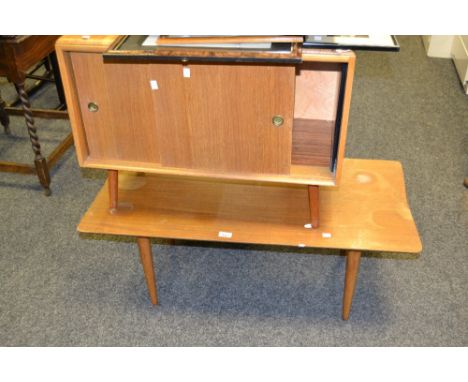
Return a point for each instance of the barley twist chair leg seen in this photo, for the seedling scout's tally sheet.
(39, 161)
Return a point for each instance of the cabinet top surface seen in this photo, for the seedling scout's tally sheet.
(369, 211)
(282, 49)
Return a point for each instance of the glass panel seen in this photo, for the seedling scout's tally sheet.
(355, 42)
(150, 43)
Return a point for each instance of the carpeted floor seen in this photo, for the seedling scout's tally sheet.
(60, 288)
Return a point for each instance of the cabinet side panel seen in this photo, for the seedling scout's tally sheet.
(73, 107)
(230, 109)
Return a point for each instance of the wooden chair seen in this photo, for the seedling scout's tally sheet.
(20, 58)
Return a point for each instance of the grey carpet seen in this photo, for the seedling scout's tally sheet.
(60, 288)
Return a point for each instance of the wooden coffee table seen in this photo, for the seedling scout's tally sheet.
(367, 212)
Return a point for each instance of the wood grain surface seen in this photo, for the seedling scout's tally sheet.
(317, 90)
(17, 55)
(300, 174)
(146, 257)
(230, 110)
(63, 47)
(185, 127)
(86, 43)
(218, 119)
(124, 125)
(353, 259)
(369, 211)
(312, 142)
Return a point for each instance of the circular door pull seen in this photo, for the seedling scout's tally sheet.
(93, 107)
(278, 120)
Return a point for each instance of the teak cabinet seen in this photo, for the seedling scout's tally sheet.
(267, 121)
(276, 116)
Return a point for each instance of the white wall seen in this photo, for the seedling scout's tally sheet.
(438, 46)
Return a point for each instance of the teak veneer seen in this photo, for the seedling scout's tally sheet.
(367, 212)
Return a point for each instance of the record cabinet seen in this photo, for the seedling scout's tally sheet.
(274, 113)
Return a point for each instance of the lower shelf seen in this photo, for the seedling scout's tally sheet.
(368, 211)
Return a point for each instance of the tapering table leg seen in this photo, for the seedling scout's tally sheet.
(314, 205)
(39, 161)
(144, 244)
(113, 184)
(353, 259)
(4, 119)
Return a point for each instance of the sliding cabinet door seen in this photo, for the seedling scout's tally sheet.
(231, 109)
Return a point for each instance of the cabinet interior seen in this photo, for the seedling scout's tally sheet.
(317, 96)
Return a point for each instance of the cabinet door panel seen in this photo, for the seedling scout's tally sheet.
(217, 119)
(133, 121)
(230, 110)
(131, 113)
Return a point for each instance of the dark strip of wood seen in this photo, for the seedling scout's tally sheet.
(39, 113)
(21, 168)
(312, 142)
(39, 78)
(59, 150)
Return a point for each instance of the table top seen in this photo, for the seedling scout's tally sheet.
(368, 211)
